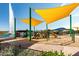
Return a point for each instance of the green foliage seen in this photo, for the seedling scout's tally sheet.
(19, 51)
(55, 53)
(6, 51)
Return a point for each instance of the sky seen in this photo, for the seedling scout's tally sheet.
(4, 17)
(21, 11)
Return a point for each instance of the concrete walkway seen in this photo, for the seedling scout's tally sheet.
(45, 47)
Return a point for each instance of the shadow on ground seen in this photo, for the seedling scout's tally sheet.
(76, 54)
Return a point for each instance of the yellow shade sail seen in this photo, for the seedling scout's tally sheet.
(34, 21)
(53, 14)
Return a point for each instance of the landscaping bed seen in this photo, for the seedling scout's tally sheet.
(18, 51)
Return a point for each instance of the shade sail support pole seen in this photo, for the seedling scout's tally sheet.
(47, 32)
(70, 25)
(30, 23)
(34, 31)
(34, 28)
(72, 32)
(15, 28)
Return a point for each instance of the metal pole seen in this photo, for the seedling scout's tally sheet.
(72, 32)
(70, 25)
(34, 28)
(30, 23)
(47, 32)
(34, 32)
(15, 28)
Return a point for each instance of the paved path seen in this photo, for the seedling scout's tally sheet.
(45, 47)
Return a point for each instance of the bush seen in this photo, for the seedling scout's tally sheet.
(19, 51)
(55, 53)
(7, 51)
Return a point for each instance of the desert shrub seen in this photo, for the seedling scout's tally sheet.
(19, 51)
(54, 53)
(7, 51)
(1, 47)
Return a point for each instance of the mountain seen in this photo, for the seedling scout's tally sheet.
(60, 28)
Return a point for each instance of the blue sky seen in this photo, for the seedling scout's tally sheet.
(21, 10)
(4, 16)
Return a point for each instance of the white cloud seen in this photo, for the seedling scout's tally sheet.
(64, 4)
